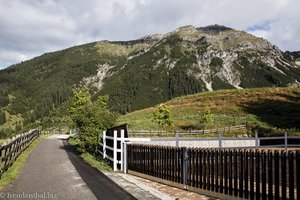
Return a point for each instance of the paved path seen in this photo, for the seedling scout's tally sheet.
(54, 171)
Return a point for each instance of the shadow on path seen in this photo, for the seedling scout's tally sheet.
(98, 183)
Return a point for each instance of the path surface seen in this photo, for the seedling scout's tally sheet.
(54, 171)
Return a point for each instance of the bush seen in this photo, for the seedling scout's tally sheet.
(90, 118)
(162, 116)
(207, 116)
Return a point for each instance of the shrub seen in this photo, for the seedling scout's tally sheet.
(207, 116)
(163, 116)
(90, 118)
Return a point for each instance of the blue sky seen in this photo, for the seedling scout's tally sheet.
(32, 27)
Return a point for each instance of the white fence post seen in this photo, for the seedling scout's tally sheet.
(256, 139)
(177, 139)
(115, 164)
(125, 158)
(285, 140)
(122, 149)
(104, 144)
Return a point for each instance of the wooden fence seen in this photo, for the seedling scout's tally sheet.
(112, 144)
(185, 132)
(223, 173)
(10, 151)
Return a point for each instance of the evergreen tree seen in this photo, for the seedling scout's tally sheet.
(2, 117)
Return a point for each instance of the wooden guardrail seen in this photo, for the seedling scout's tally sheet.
(10, 151)
(223, 173)
(185, 132)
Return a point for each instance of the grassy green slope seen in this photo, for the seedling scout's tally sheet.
(267, 109)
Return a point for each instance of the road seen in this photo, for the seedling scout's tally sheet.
(53, 170)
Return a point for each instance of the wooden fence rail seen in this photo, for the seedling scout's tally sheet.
(185, 132)
(10, 151)
(223, 173)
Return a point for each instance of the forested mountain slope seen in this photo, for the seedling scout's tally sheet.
(144, 72)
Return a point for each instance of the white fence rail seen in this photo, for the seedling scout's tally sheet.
(115, 148)
(118, 155)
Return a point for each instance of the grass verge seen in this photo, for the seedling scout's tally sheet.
(92, 160)
(15, 169)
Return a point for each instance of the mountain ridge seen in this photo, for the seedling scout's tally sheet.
(188, 34)
(140, 73)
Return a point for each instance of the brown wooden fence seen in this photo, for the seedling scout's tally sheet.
(9, 152)
(171, 133)
(234, 173)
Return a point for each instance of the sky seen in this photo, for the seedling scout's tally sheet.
(29, 28)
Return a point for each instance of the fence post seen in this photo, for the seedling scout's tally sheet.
(104, 144)
(285, 140)
(256, 140)
(177, 139)
(220, 140)
(185, 166)
(122, 149)
(125, 167)
(115, 151)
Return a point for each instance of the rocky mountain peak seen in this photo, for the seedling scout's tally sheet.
(154, 37)
(189, 28)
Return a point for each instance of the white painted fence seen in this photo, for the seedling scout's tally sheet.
(177, 141)
(115, 149)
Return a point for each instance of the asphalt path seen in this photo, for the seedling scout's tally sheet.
(53, 170)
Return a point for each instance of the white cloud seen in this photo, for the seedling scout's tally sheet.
(33, 27)
(9, 57)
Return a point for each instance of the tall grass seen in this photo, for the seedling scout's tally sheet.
(229, 107)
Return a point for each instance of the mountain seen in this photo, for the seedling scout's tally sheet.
(141, 73)
(191, 60)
